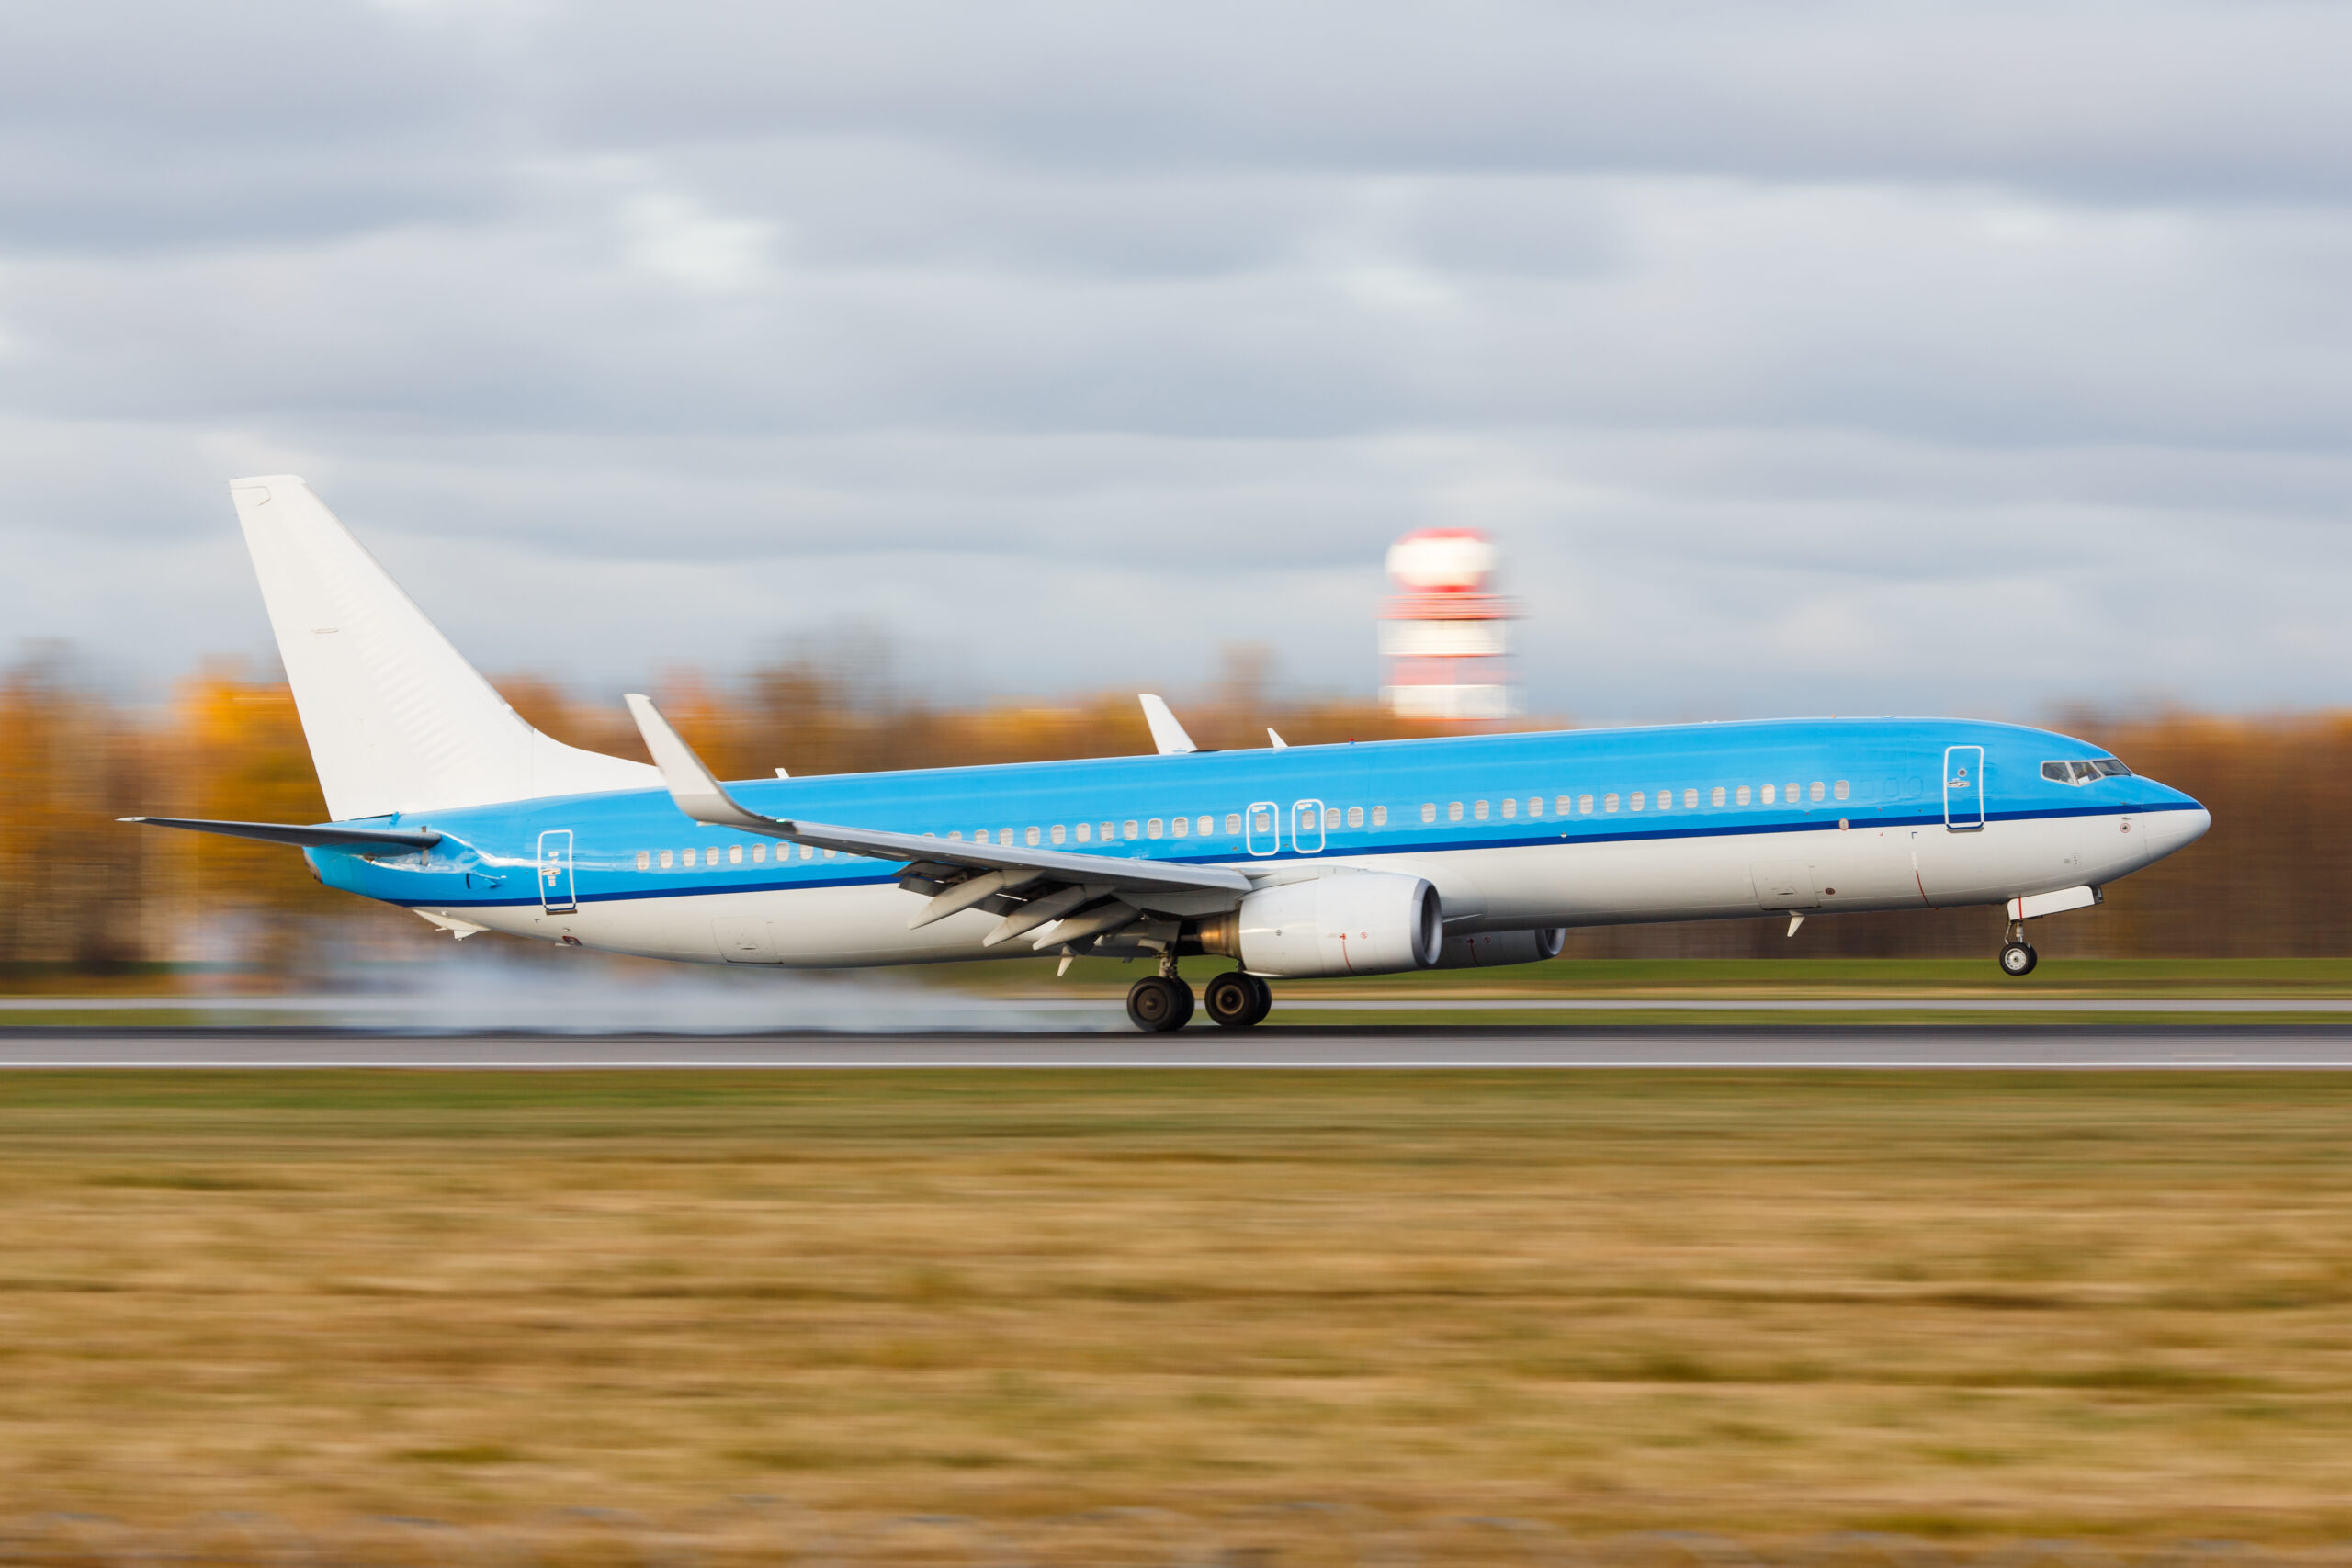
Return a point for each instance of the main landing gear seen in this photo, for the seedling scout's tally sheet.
(1236, 999)
(1157, 1004)
(1160, 1003)
(2018, 957)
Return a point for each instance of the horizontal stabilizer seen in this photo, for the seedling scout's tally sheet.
(318, 838)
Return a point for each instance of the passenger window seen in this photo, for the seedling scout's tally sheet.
(1795, 794)
(1640, 799)
(1666, 800)
(666, 860)
(954, 835)
(1181, 826)
(1453, 812)
(1842, 789)
(1060, 832)
(1330, 818)
(807, 851)
(1153, 828)
(1380, 816)
(1817, 790)
(1715, 796)
(1535, 806)
(1429, 811)
(1085, 832)
(1607, 803)
(688, 857)
(759, 853)
(1742, 798)
(1355, 816)
(1032, 838)
(1110, 832)
(1690, 799)
(1510, 809)
(645, 859)
(1208, 825)
(710, 855)
(1232, 823)
(1770, 794)
(1479, 811)
(831, 853)
(1130, 829)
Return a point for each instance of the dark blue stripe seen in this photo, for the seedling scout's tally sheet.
(1715, 830)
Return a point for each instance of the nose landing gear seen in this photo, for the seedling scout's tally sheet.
(2018, 956)
(1236, 999)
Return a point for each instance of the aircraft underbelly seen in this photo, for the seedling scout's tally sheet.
(1700, 877)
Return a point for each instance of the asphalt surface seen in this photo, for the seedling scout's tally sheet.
(1923, 1046)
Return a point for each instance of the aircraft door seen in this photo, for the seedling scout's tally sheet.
(1307, 827)
(555, 871)
(1262, 828)
(1963, 788)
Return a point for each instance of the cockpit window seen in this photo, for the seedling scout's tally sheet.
(2085, 773)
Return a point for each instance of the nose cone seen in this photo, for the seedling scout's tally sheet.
(2173, 822)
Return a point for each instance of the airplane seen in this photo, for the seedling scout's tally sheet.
(1292, 862)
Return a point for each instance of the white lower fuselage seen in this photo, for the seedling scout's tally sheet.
(1828, 870)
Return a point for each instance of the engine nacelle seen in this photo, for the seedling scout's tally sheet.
(1488, 950)
(1373, 923)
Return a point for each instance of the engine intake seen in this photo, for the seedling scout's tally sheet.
(1371, 922)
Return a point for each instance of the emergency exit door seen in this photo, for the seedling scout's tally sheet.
(1963, 788)
(555, 871)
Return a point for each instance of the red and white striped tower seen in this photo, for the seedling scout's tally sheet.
(1446, 638)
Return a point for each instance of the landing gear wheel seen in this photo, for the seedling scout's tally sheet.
(1157, 1004)
(2018, 958)
(1237, 1001)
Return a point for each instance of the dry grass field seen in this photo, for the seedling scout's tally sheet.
(1981, 1305)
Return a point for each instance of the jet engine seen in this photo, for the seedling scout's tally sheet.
(1371, 922)
(1487, 950)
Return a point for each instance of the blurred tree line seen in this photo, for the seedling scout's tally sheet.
(81, 894)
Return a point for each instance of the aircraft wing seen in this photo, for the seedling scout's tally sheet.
(325, 836)
(1030, 887)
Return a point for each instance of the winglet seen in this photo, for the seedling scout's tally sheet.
(1166, 733)
(1280, 744)
(697, 792)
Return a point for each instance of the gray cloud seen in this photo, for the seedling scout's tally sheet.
(1850, 358)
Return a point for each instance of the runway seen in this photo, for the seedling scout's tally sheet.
(2055, 1047)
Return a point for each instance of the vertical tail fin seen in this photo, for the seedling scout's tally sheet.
(396, 718)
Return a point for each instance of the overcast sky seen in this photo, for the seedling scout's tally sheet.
(1802, 359)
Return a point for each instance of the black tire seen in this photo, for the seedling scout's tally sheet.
(1158, 1004)
(1236, 1000)
(1265, 999)
(2017, 960)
